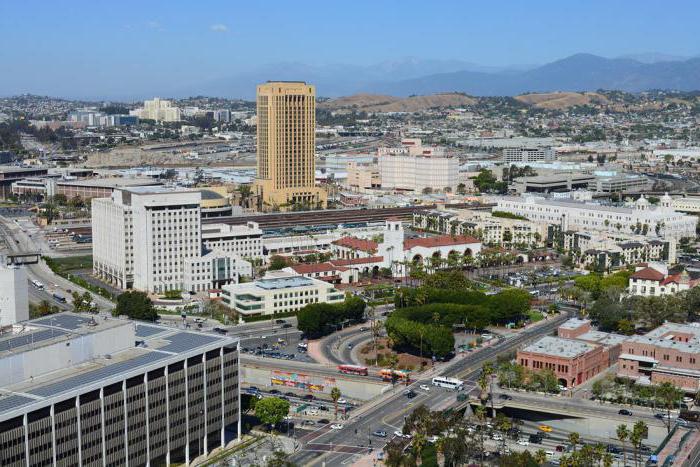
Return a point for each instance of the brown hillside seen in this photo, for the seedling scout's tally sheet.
(562, 100)
(375, 103)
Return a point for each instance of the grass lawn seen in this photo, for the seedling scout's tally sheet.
(72, 263)
(535, 316)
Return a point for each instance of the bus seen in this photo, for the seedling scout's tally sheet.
(59, 298)
(449, 383)
(353, 370)
(399, 375)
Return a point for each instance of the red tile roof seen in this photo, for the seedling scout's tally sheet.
(357, 244)
(648, 274)
(356, 261)
(437, 241)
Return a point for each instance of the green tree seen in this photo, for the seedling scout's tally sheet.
(574, 439)
(639, 432)
(135, 305)
(669, 395)
(271, 410)
(277, 262)
(623, 434)
(280, 459)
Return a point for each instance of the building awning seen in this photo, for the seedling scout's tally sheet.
(639, 358)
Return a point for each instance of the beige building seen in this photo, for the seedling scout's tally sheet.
(286, 133)
(362, 177)
(159, 110)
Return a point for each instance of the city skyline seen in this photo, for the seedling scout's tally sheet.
(99, 51)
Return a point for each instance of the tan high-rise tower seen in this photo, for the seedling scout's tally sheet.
(286, 145)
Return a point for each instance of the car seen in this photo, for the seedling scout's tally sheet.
(411, 394)
(342, 401)
(363, 329)
(624, 412)
(379, 433)
(274, 391)
(286, 326)
(535, 438)
(424, 387)
(324, 421)
(280, 340)
(505, 397)
(308, 422)
(336, 426)
(545, 428)
(253, 390)
(290, 394)
(280, 321)
(349, 346)
(523, 442)
(662, 416)
(497, 437)
(308, 397)
(560, 448)
(549, 453)
(433, 439)
(400, 434)
(688, 400)
(220, 330)
(612, 449)
(323, 408)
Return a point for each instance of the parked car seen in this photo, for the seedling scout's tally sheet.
(336, 426)
(505, 397)
(523, 442)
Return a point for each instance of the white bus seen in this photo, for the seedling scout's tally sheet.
(449, 383)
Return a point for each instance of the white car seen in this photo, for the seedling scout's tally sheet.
(433, 439)
(523, 442)
(400, 434)
(549, 453)
(424, 387)
(497, 437)
(336, 426)
(342, 401)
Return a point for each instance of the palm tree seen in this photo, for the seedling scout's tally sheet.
(639, 432)
(335, 395)
(574, 439)
(622, 434)
(418, 442)
(540, 456)
(607, 460)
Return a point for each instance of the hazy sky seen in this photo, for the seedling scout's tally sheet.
(127, 47)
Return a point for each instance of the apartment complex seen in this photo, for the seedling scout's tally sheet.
(286, 138)
(150, 238)
(414, 167)
(670, 353)
(528, 155)
(278, 292)
(588, 216)
(159, 110)
(94, 391)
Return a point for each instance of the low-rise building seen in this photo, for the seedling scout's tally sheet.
(552, 183)
(328, 272)
(572, 361)
(669, 353)
(654, 280)
(278, 292)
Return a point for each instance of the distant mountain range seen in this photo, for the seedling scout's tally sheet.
(580, 72)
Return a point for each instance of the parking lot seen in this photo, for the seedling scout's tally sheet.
(277, 343)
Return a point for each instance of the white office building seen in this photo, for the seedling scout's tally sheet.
(279, 292)
(150, 238)
(413, 167)
(640, 218)
(14, 296)
(528, 155)
(242, 240)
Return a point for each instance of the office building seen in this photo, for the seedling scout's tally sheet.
(148, 237)
(414, 167)
(619, 184)
(94, 391)
(639, 218)
(278, 292)
(553, 183)
(244, 241)
(286, 133)
(158, 110)
(669, 353)
(14, 296)
(528, 155)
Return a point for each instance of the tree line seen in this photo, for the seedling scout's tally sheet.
(319, 319)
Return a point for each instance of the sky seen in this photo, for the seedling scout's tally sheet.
(79, 48)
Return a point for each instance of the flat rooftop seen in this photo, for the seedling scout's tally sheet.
(284, 282)
(559, 347)
(601, 337)
(574, 323)
(155, 347)
(111, 182)
(663, 337)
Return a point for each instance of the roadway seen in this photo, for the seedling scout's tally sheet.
(339, 446)
(17, 241)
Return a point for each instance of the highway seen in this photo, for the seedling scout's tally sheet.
(17, 241)
(336, 447)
